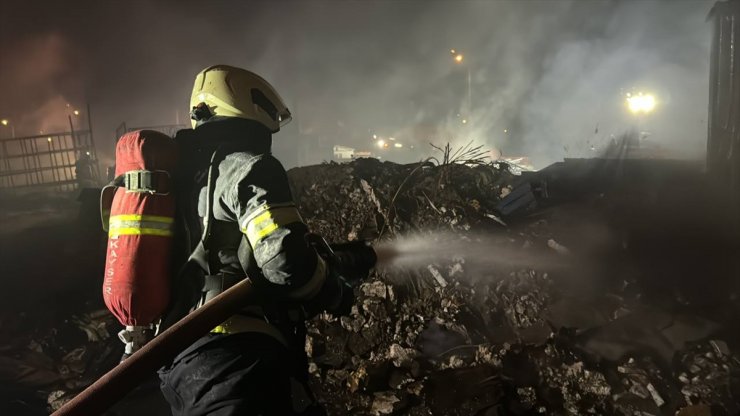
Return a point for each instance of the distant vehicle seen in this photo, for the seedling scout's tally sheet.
(344, 153)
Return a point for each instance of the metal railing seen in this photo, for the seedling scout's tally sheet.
(47, 160)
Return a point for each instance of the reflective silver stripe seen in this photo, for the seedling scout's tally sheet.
(313, 286)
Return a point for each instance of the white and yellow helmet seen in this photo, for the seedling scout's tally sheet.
(227, 91)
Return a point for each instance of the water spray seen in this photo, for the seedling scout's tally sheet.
(483, 252)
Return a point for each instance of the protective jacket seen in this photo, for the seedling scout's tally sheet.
(246, 224)
(237, 219)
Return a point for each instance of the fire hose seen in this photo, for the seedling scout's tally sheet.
(355, 258)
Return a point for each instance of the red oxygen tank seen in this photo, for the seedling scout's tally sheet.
(136, 286)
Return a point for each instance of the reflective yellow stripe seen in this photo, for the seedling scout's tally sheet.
(239, 323)
(219, 330)
(115, 232)
(138, 224)
(139, 217)
(313, 286)
(266, 207)
(259, 235)
(141, 224)
(268, 219)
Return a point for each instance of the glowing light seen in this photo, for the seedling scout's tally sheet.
(465, 121)
(393, 139)
(640, 103)
(48, 139)
(381, 143)
(87, 153)
(506, 130)
(375, 136)
(4, 122)
(458, 58)
(452, 51)
(76, 112)
(398, 145)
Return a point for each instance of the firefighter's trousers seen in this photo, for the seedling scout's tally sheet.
(245, 374)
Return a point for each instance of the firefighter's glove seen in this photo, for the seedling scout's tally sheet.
(354, 260)
(336, 297)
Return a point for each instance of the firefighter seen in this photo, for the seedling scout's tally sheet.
(84, 171)
(239, 220)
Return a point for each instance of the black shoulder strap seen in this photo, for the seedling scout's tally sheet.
(202, 253)
(216, 158)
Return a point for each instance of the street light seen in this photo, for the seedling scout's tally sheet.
(5, 122)
(458, 58)
(640, 103)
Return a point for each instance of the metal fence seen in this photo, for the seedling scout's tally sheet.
(47, 160)
(53, 160)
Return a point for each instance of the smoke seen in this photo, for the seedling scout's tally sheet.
(547, 78)
(39, 79)
(579, 98)
(551, 80)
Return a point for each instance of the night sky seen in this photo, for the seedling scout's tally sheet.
(552, 74)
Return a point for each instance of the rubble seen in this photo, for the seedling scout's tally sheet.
(437, 276)
(695, 410)
(541, 351)
(710, 378)
(384, 403)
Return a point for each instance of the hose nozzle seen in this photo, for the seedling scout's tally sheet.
(353, 260)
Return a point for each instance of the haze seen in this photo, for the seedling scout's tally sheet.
(547, 78)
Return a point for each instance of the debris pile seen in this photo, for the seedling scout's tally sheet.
(57, 358)
(350, 201)
(448, 339)
(709, 375)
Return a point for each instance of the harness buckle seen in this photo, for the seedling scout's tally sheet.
(153, 182)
